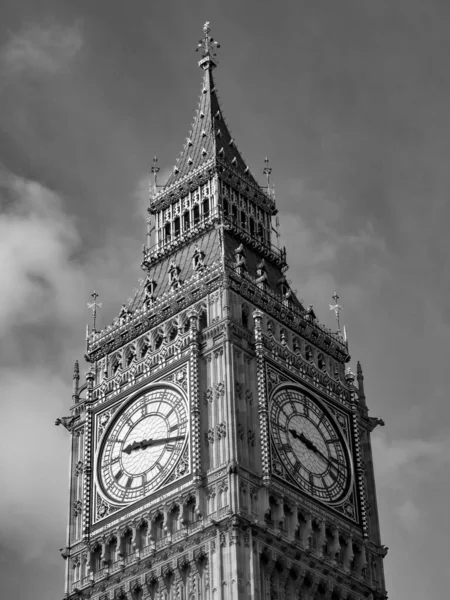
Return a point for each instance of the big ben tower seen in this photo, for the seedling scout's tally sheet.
(220, 445)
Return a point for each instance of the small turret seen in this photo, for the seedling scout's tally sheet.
(76, 382)
(360, 380)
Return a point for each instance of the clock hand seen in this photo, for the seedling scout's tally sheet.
(326, 459)
(310, 445)
(146, 443)
(301, 436)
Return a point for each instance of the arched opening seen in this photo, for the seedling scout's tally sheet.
(203, 321)
(244, 315)
(196, 212)
(205, 208)
(167, 232)
(177, 226)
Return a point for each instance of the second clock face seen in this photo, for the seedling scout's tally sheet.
(310, 445)
(143, 445)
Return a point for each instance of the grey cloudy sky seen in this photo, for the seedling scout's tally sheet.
(350, 100)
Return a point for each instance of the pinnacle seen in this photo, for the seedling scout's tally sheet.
(209, 138)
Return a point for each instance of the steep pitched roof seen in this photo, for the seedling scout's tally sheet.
(209, 139)
(209, 244)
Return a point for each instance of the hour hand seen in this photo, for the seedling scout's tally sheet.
(136, 445)
(146, 443)
(294, 433)
(301, 436)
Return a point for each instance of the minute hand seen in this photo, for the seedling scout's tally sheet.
(326, 459)
(302, 437)
(146, 443)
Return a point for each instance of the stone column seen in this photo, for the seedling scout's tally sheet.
(306, 530)
(361, 562)
(321, 538)
(348, 554)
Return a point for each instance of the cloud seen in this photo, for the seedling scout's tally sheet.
(43, 49)
(409, 514)
(33, 510)
(405, 470)
(41, 281)
(411, 459)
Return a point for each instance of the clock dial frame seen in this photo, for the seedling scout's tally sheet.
(143, 445)
(310, 444)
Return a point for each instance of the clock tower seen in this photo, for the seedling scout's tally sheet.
(220, 445)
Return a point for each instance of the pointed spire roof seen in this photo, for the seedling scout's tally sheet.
(209, 140)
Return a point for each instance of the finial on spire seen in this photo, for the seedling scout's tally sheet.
(208, 46)
(76, 381)
(93, 306)
(155, 171)
(267, 171)
(337, 309)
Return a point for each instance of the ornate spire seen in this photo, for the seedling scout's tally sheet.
(155, 171)
(360, 380)
(76, 381)
(93, 306)
(209, 140)
(208, 46)
(267, 171)
(337, 309)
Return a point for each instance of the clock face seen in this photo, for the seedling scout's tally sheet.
(143, 445)
(310, 445)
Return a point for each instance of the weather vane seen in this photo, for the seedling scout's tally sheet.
(207, 43)
(337, 309)
(93, 306)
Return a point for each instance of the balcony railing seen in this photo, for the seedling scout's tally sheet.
(162, 543)
(147, 550)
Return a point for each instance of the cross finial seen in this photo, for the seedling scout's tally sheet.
(93, 306)
(208, 45)
(337, 309)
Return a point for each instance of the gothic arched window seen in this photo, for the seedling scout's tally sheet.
(321, 362)
(203, 320)
(177, 226)
(173, 332)
(167, 232)
(175, 518)
(205, 208)
(186, 221)
(244, 315)
(159, 340)
(226, 208)
(196, 214)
